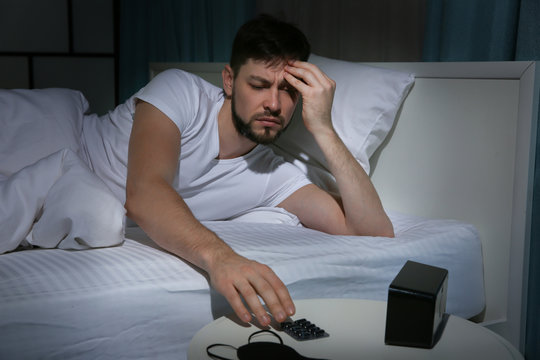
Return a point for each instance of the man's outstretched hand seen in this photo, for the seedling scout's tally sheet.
(237, 277)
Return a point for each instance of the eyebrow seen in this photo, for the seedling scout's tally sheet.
(260, 79)
(268, 82)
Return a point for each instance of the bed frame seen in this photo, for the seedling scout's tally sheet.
(463, 147)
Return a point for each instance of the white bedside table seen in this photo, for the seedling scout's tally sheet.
(356, 329)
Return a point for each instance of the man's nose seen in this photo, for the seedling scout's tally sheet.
(272, 102)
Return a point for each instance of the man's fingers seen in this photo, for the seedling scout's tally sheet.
(308, 72)
(237, 304)
(280, 305)
(272, 291)
(303, 77)
(248, 282)
(309, 81)
(262, 283)
(295, 82)
(249, 294)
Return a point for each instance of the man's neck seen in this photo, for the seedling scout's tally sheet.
(231, 143)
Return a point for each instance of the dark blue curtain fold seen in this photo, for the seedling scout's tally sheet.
(482, 30)
(175, 30)
(474, 30)
(495, 30)
(528, 39)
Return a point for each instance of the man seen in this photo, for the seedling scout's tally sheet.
(173, 160)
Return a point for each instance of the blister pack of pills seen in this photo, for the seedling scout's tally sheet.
(303, 330)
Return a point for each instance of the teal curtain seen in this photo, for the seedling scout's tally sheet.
(470, 30)
(482, 30)
(528, 40)
(494, 30)
(175, 30)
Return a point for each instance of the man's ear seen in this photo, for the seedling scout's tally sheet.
(228, 79)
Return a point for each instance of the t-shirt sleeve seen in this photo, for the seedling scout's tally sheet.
(283, 182)
(173, 93)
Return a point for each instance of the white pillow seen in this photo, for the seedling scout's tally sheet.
(36, 123)
(366, 102)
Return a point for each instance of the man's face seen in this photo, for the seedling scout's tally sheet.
(262, 101)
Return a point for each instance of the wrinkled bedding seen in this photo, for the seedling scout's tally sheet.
(58, 202)
(137, 301)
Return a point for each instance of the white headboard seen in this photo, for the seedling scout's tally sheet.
(463, 148)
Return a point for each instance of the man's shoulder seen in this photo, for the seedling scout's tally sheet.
(175, 86)
(185, 78)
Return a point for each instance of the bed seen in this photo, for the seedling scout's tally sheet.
(458, 196)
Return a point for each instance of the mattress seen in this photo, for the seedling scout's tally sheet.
(138, 301)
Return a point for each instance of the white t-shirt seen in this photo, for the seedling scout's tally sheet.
(213, 189)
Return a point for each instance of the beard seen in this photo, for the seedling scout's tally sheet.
(245, 128)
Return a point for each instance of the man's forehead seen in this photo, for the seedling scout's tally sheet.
(263, 69)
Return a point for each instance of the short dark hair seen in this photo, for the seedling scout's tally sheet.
(268, 39)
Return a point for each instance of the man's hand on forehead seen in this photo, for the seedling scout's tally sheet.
(317, 91)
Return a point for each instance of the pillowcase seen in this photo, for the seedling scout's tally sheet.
(366, 102)
(38, 122)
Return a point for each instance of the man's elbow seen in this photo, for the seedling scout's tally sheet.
(381, 229)
(385, 228)
(388, 232)
(133, 204)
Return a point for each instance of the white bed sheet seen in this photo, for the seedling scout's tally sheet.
(136, 301)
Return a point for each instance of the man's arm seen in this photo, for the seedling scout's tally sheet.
(359, 210)
(151, 201)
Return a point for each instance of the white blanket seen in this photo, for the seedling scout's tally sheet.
(58, 202)
(135, 301)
